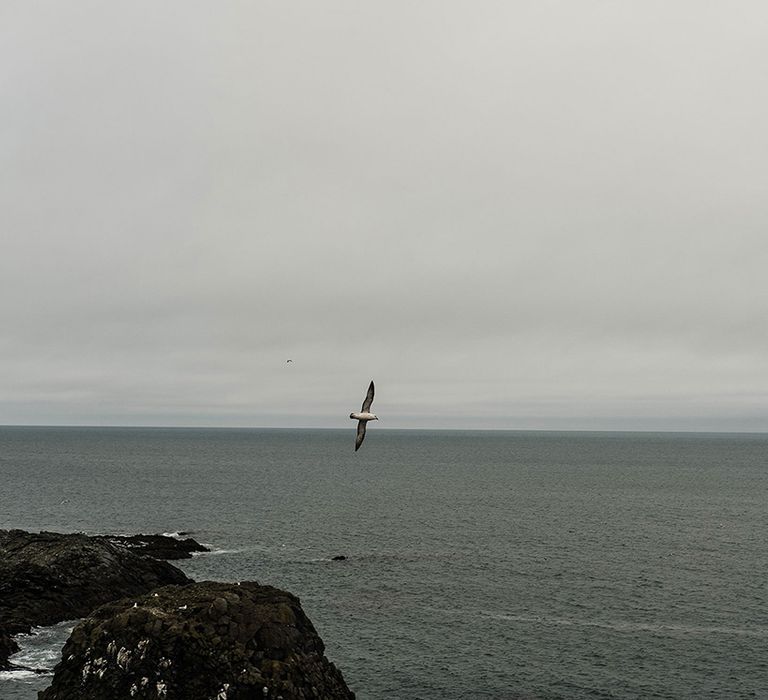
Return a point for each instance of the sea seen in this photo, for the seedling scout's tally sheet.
(479, 564)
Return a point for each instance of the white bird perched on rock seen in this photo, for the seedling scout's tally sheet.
(363, 417)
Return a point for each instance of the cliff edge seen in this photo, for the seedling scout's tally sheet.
(223, 641)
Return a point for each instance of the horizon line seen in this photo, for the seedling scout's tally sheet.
(387, 428)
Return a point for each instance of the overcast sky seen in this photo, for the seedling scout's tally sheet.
(509, 214)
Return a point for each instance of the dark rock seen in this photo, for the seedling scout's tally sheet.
(49, 577)
(206, 640)
(158, 546)
(7, 647)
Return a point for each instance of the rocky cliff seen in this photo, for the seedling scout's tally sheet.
(206, 640)
(49, 577)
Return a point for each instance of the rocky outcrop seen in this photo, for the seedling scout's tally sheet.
(158, 546)
(49, 577)
(206, 640)
(157, 641)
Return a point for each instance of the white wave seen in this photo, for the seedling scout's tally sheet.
(39, 651)
(315, 560)
(215, 551)
(21, 675)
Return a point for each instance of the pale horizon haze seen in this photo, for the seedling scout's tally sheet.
(509, 215)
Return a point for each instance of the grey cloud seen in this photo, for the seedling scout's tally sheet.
(552, 209)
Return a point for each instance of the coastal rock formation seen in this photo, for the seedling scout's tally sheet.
(48, 577)
(206, 640)
(158, 546)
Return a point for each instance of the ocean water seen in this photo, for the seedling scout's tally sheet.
(533, 565)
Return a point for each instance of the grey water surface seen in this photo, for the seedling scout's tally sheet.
(534, 565)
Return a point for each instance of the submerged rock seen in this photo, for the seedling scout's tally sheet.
(206, 640)
(49, 577)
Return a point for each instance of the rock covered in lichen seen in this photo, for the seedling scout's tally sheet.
(206, 640)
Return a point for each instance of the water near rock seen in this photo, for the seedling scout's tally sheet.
(38, 652)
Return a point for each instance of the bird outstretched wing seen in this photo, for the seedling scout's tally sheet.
(368, 400)
(360, 434)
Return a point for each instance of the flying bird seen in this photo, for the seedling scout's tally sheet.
(363, 417)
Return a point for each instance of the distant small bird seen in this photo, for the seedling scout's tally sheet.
(287, 361)
(363, 417)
